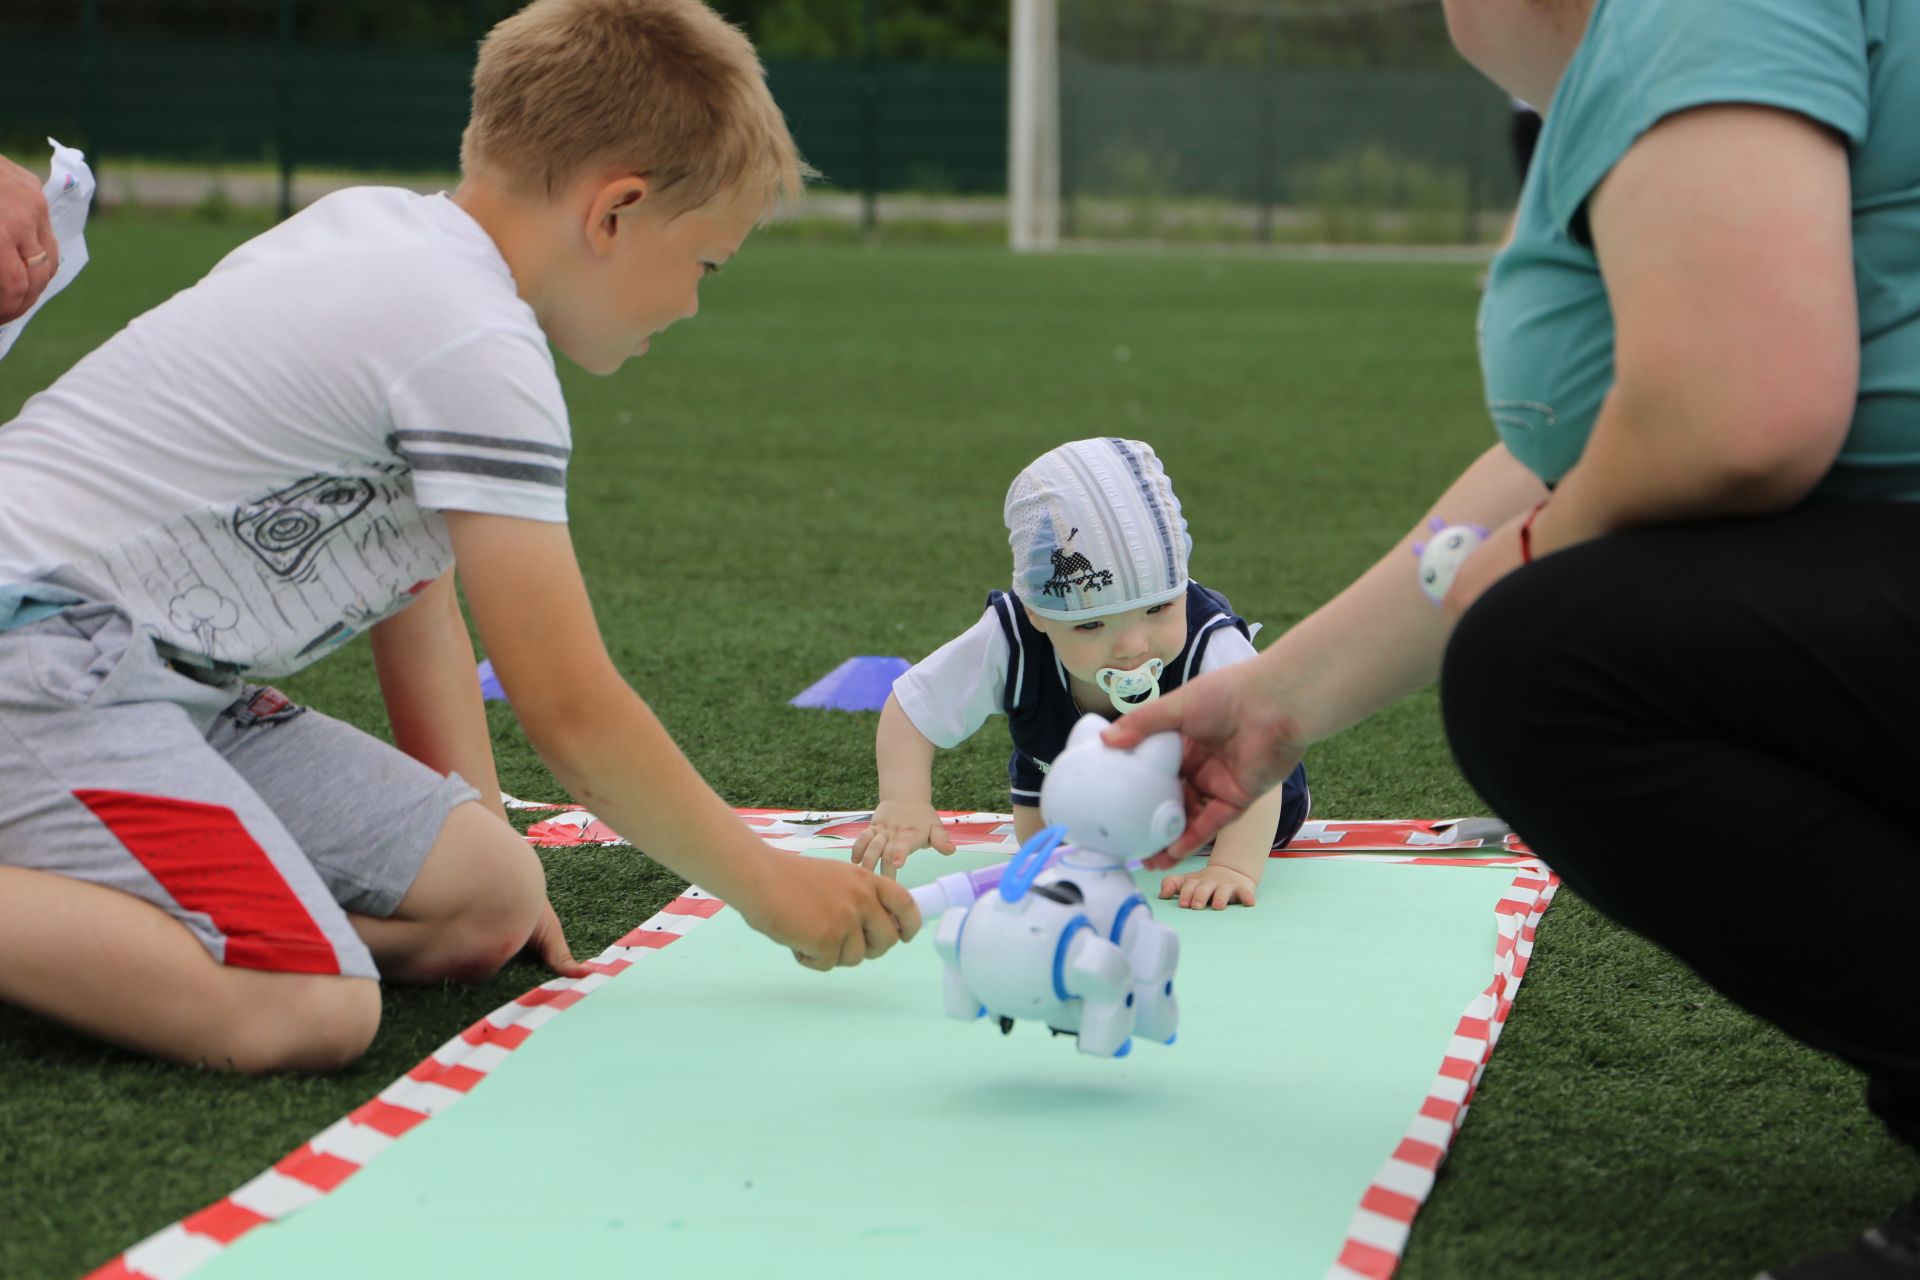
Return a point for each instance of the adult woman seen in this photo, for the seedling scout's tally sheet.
(1702, 354)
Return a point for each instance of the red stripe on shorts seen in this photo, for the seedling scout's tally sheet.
(204, 857)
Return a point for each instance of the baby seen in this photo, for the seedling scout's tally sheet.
(1101, 617)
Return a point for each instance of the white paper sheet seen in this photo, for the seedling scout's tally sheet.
(69, 197)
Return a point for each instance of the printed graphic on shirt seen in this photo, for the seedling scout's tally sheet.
(275, 582)
(285, 529)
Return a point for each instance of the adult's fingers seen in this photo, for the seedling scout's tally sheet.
(16, 293)
(42, 258)
(1155, 717)
(1205, 816)
(1160, 861)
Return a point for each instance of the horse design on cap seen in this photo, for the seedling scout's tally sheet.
(1072, 570)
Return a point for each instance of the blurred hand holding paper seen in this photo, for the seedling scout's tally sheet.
(69, 197)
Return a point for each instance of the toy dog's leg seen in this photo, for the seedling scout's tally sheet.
(1097, 973)
(960, 1002)
(1153, 950)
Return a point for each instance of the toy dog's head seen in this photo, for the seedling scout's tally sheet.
(1124, 803)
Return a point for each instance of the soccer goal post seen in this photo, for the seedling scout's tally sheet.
(1033, 130)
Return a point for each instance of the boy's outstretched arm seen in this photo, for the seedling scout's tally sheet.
(1238, 860)
(605, 745)
(905, 820)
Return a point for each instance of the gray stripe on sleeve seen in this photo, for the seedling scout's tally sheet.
(484, 442)
(495, 468)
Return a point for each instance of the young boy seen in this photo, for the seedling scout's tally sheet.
(1102, 617)
(305, 445)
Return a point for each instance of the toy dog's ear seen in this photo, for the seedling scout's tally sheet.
(1161, 751)
(1086, 729)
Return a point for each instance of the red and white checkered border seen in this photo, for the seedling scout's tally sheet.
(343, 1148)
(1375, 1238)
(1377, 1235)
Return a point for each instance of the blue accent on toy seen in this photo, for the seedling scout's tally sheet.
(1072, 927)
(1129, 999)
(858, 684)
(1126, 1047)
(1026, 864)
(1120, 916)
(982, 1013)
(1170, 1039)
(490, 689)
(1169, 990)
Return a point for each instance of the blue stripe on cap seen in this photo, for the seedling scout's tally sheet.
(1152, 499)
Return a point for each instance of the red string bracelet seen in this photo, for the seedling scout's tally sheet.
(1526, 533)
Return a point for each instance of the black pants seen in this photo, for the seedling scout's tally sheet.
(1712, 732)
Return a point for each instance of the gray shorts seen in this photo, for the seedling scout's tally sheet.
(256, 823)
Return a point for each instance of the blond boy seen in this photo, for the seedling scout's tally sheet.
(308, 444)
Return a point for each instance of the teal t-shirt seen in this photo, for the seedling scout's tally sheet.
(1546, 329)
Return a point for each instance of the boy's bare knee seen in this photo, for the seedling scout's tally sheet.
(304, 1024)
(498, 921)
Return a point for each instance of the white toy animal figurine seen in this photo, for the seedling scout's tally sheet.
(1068, 940)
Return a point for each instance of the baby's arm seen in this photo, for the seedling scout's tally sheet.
(905, 819)
(1239, 859)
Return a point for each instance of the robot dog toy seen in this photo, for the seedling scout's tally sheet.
(1059, 934)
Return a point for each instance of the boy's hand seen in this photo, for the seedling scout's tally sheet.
(548, 945)
(830, 913)
(899, 828)
(1213, 886)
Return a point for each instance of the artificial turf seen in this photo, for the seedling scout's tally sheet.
(814, 469)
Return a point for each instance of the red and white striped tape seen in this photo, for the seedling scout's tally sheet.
(1377, 1235)
(343, 1148)
(801, 830)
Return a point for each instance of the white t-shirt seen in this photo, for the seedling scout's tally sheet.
(256, 467)
(950, 693)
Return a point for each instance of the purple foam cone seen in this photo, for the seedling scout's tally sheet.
(858, 684)
(490, 688)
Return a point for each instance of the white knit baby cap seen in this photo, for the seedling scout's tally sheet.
(1095, 529)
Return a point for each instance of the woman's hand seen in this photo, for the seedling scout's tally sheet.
(1240, 744)
(29, 254)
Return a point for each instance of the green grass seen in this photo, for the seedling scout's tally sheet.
(815, 469)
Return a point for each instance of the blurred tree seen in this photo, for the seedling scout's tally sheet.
(920, 31)
(1217, 32)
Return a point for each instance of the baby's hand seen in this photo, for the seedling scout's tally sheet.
(898, 828)
(1211, 886)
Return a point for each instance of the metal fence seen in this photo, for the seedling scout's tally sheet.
(868, 126)
(1221, 129)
